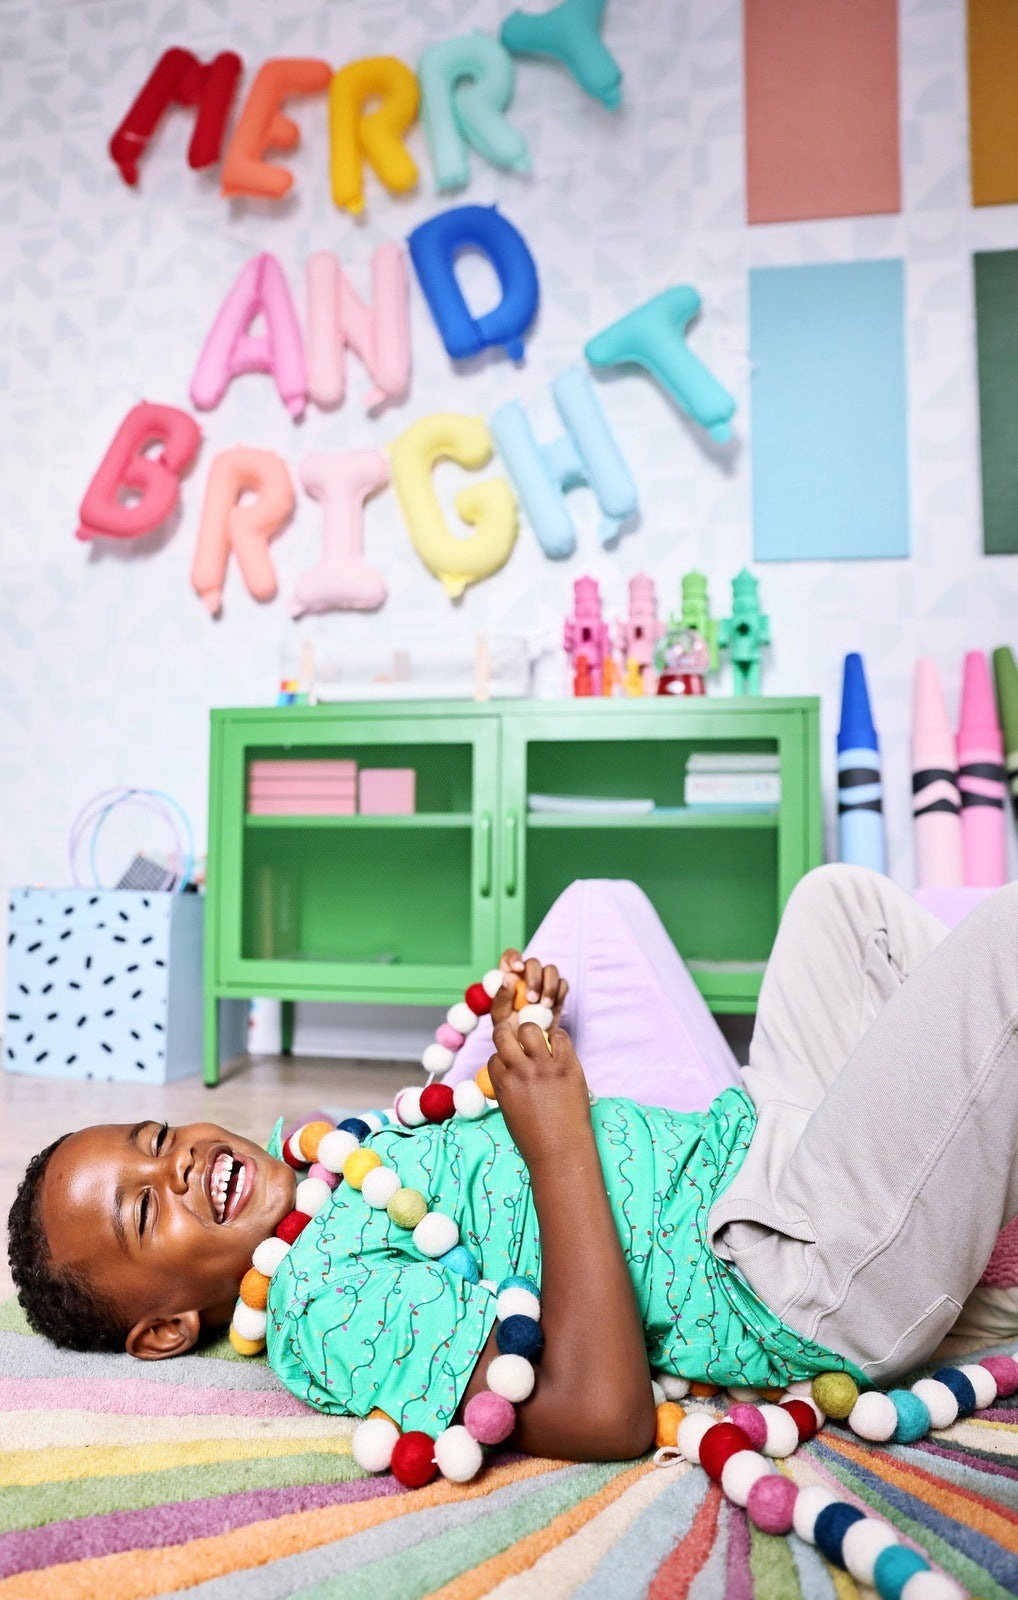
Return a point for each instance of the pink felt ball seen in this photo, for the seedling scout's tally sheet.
(1004, 1371)
(770, 1503)
(751, 1421)
(316, 1170)
(489, 1418)
(451, 1037)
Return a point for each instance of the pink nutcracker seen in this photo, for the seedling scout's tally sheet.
(637, 635)
(586, 637)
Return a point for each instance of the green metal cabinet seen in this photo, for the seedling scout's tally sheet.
(411, 909)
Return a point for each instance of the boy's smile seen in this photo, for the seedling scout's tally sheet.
(162, 1221)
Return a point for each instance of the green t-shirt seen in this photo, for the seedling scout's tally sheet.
(358, 1318)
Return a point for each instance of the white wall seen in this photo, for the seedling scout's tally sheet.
(109, 662)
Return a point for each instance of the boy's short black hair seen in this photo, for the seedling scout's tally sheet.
(58, 1303)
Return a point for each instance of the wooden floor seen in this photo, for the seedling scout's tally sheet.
(253, 1091)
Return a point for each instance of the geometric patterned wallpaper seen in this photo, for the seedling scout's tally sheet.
(109, 661)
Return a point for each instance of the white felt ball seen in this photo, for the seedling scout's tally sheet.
(437, 1059)
(489, 1284)
(517, 1302)
(744, 1394)
(461, 1018)
(658, 1393)
(311, 1195)
(873, 1417)
(542, 1015)
(372, 1119)
(861, 1545)
(931, 1586)
(334, 1149)
(690, 1435)
(492, 982)
(809, 1503)
(984, 1384)
(674, 1388)
(458, 1456)
(512, 1377)
(469, 1101)
(800, 1389)
(782, 1433)
(294, 1149)
(408, 1108)
(249, 1322)
(373, 1443)
(938, 1400)
(268, 1255)
(741, 1471)
(378, 1187)
(435, 1234)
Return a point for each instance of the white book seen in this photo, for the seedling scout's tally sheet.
(732, 761)
(716, 788)
(594, 804)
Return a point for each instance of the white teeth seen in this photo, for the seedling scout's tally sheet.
(219, 1182)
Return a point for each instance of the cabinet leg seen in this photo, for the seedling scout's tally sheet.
(211, 1041)
(286, 1027)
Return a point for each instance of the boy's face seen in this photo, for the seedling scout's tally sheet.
(162, 1222)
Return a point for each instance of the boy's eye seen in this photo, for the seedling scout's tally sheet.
(143, 1214)
(161, 1137)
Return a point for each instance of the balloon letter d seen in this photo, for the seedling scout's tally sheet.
(433, 249)
(152, 481)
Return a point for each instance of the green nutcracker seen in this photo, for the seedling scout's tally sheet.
(696, 614)
(744, 633)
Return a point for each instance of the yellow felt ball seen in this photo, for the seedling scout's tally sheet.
(245, 1347)
(358, 1164)
(483, 1082)
(669, 1416)
(835, 1393)
(254, 1289)
(407, 1208)
(311, 1136)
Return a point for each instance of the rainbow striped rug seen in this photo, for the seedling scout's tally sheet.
(124, 1479)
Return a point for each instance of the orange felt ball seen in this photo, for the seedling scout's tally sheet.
(669, 1415)
(483, 1082)
(311, 1136)
(703, 1391)
(254, 1289)
(520, 997)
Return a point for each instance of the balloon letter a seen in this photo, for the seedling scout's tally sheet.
(179, 78)
(153, 481)
(654, 336)
(569, 33)
(229, 351)
(433, 249)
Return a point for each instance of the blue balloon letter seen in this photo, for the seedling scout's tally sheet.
(585, 454)
(654, 336)
(570, 33)
(433, 249)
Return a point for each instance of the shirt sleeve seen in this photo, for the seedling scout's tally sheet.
(402, 1336)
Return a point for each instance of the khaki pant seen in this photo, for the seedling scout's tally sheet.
(884, 1068)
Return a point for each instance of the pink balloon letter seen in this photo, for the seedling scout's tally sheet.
(342, 581)
(229, 351)
(245, 529)
(152, 482)
(337, 317)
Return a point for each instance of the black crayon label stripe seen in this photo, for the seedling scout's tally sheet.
(937, 805)
(982, 800)
(983, 769)
(854, 775)
(860, 805)
(932, 775)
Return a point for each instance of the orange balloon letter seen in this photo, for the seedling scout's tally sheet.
(228, 525)
(263, 126)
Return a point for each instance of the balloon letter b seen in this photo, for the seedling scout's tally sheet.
(179, 78)
(570, 33)
(433, 249)
(152, 481)
(489, 507)
(229, 351)
(466, 84)
(246, 529)
(338, 317)
(263, 126)
(342, 581)
(375, 137)
(654, 336)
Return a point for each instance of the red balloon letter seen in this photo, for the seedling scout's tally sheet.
(152, 482)
(179, 78)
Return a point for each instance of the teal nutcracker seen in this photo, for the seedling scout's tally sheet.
(744, 633)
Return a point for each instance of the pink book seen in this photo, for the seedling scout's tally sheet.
(324, 768)
(294, 788)
(313, 806)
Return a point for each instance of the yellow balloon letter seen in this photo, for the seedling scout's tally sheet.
(376, 137)
(490, 507)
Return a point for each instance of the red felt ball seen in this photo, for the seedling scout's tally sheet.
(413, 1460)
(804, 1417)
(718, 1443)
(297, 1163)
(478, 999)
(292, 1225)
(437, 1103)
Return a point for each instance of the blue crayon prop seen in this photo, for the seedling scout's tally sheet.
(860, 790)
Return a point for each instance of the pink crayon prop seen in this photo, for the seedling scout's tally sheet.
(936, 803)
(981, 778)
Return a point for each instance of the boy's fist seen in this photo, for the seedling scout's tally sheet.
(543, 986)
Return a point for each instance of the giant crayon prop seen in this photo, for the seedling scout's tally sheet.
(936, 803)
(981, 778)
(1005, 672)
(860, 791)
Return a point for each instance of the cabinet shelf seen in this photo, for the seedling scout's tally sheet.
(678, 818)
(416, 819)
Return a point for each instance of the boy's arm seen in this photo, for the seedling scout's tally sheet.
(592, 1400)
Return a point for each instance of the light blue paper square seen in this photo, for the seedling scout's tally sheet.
(829, 432)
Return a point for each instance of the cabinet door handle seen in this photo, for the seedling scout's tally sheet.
(511, 852)
(484, 887)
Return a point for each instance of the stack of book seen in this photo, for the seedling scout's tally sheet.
(727, 781)
(302, 788)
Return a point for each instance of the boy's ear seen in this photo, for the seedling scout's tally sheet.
(155, 1338)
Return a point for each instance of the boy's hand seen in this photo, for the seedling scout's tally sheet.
(544, 986)
(541, 1091)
